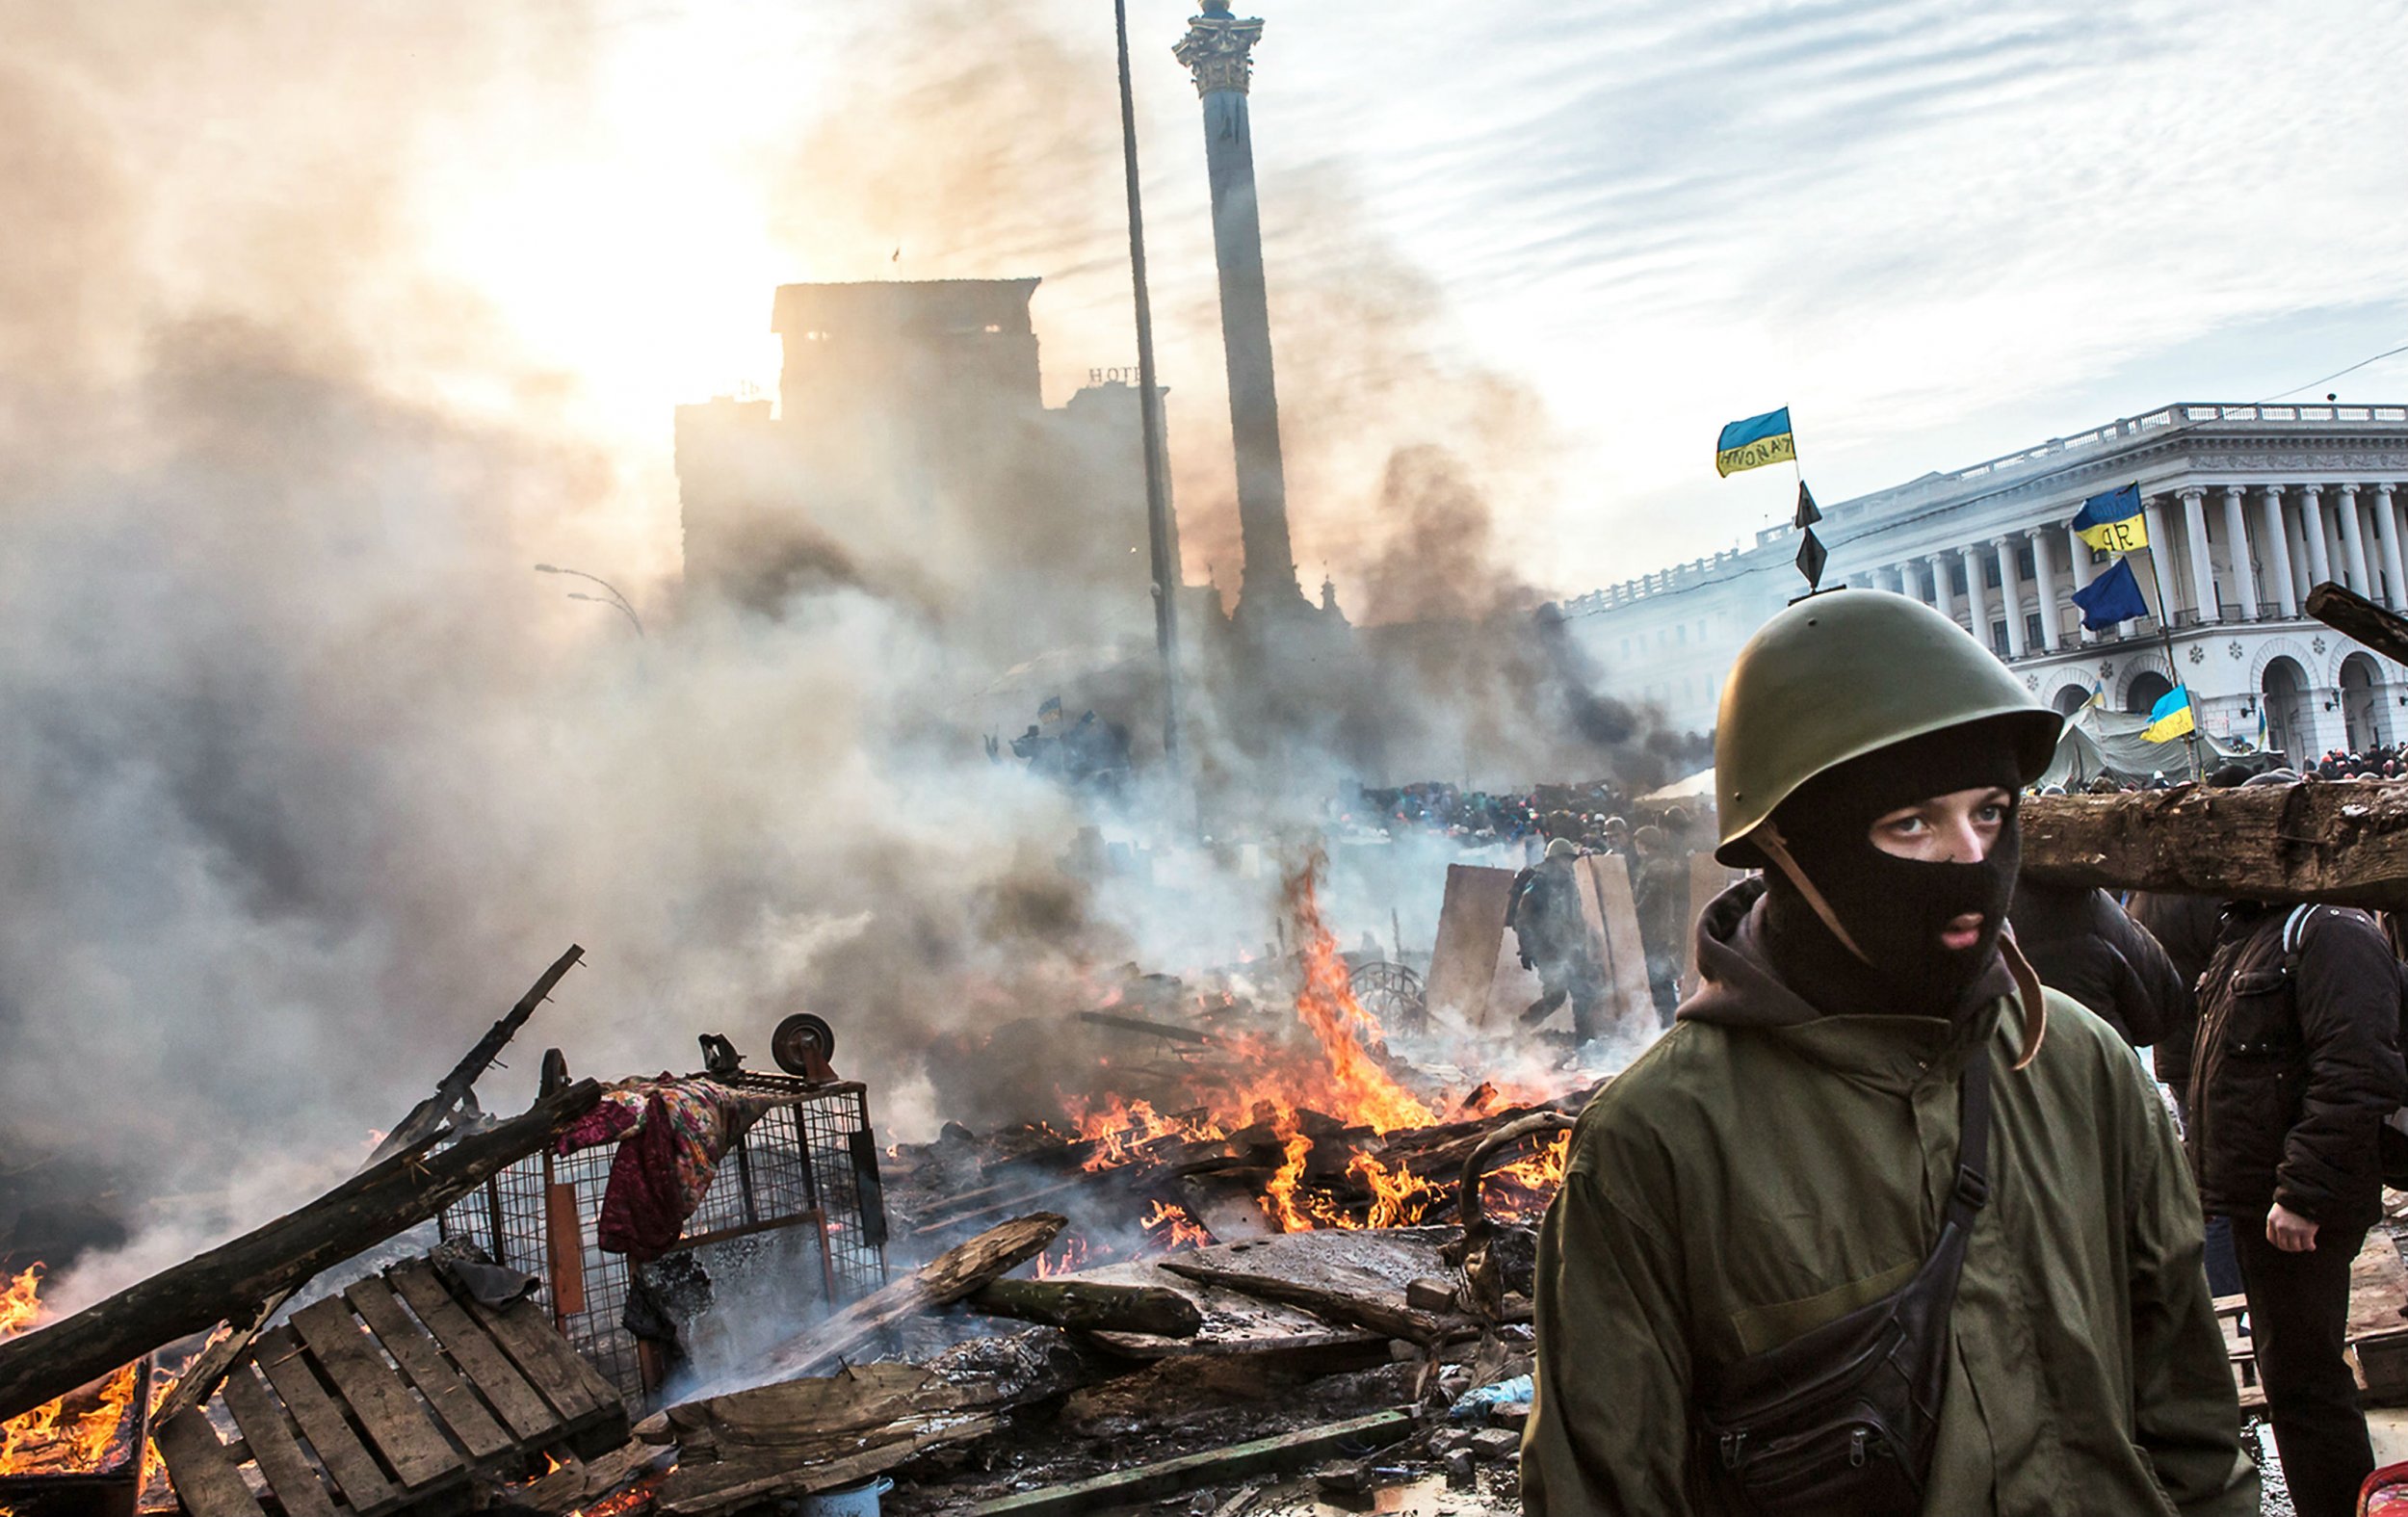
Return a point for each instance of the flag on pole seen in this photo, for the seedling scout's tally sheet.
(2113, 521)
(2170, 718)
(2112, 597)
(1810, 557)
(1755, 442)
(2262, 724)
(1808, 513)
(2098, 694)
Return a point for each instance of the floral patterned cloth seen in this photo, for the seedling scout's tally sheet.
(670, 1133)
(2385, 1493)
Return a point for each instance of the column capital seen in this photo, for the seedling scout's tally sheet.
(1218, 48)
(2382, 487)
(2312, 491)
(2194, 492)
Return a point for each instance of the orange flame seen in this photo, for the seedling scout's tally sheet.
(78, 1432)
(1073, 1256)
(1175, 1228)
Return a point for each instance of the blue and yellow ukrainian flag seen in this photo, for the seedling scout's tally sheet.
(1755, 442)
(2170, 718)
(2113, 521)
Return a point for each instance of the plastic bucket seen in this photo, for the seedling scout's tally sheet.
(853, 1501)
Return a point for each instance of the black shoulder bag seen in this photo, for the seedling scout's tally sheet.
(1844, 1419)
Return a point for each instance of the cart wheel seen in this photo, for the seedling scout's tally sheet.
(798, 1037)
(1393, 995)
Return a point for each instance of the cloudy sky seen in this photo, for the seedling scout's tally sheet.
(1565, 240)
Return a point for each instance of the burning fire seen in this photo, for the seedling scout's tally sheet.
(79, 1433)
(1175, 1228)
(1320, 1078)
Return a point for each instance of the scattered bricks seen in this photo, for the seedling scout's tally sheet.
(1459, 1465)
(1430, 1294)
(1447, 1440)
(1491, 1445)
(1512, 1416)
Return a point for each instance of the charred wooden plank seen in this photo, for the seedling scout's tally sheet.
(2340, 843)
(420, 1358)
(1091, 1306)
(273, 1445)
(229, 1281)
(947, 1278)
(206, 1481)
(413, 1446)
(529, 1415)
(353, 1469)
(1346, 1308)
(1152, 1482)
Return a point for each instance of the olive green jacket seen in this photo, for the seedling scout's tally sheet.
(1763, 1169)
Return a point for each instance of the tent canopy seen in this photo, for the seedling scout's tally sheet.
(2099, 741)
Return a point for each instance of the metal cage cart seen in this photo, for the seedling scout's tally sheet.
(802, 1182)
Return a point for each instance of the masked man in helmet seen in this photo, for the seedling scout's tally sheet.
(1880, 1226)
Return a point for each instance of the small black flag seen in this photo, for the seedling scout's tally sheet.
(1810, 557)
(1808, 513)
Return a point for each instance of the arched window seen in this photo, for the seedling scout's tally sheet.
(2148, 688)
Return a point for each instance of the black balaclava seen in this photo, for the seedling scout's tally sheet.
(1892, 907)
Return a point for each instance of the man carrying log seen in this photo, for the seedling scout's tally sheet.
(1880, 1226)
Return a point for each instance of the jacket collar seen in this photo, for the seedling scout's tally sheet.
(1738, 987)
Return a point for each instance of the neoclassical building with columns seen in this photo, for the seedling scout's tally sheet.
(2247, 507)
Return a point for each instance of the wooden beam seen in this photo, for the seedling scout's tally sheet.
(1091, 1306)
(230, 1280)
(2346, 843)
(2356, 617)
(1345, 1308)
(1152, 1482)
(951, 1275)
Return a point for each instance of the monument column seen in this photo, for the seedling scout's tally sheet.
(1219, 50)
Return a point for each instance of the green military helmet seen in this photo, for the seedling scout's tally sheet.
(1837, 677)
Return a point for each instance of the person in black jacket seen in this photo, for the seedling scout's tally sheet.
(2080, 942)
(2297, 1062)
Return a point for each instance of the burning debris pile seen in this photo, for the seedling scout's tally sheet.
(1259, 1118)
(1259, 1200)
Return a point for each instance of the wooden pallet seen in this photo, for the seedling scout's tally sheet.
(389, 1397)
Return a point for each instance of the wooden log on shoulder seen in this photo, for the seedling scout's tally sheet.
(2353, 615)
(2344, 842)
(1091, 1306)
(230, 1280)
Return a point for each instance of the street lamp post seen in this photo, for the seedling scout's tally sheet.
(614, 600)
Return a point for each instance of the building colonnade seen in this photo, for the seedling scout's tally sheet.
(2009, 590)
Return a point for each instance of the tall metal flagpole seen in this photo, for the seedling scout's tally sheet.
(1159, 526)
(2173, 671)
